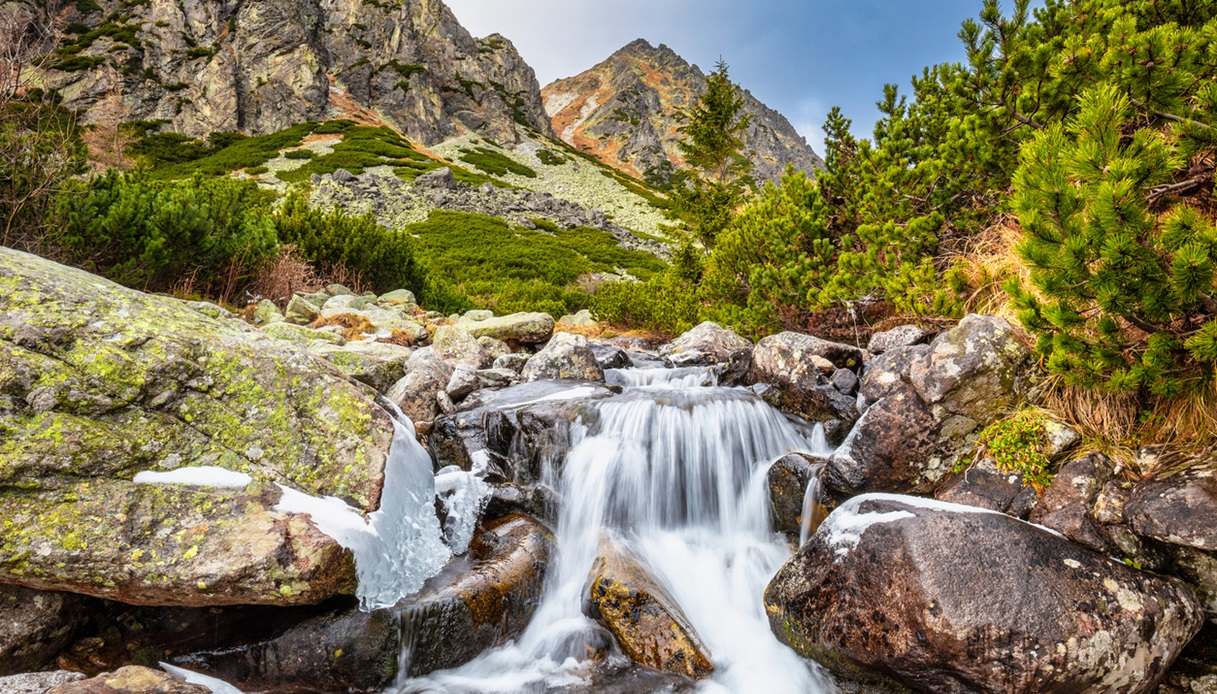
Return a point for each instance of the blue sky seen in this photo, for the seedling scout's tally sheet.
(798, 56)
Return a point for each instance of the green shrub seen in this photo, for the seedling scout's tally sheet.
(495, 163)
(1017, 444)
(241, 153)
(550, 158)
(149, 234)
(40, 150)
(384, 259)
(362, 148)
(666, 303)
(299, 154)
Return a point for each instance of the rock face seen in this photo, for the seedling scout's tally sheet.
(476, 603)
(889, 586)
(626, 109)
(645, 620)
(209, 66)
(34, 627)
(99, 383)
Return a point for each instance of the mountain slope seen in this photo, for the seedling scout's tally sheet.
(236, 65)
(626, 111)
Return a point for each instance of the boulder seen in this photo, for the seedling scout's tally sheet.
(456, 346)
(899, 336)
(34, 627)
(1178, 510)
(494, 348)
(647, 622)
(710, 344)
(518, 328)
(844, 380)
(398, 298)
(984, 486)
(792, 363)
(565, 357)
(265, 312)
(787, 480)
(474, 604)
(511, 362)
(496, 378)
(464, 381)
(132, 679)
(1066, 504)
(378, 364)
(886, 374)
(104, 382)
(976, 370)
(888, 448)
(37, 682)
(580, 319)
(949, 598)
(426, 376)
(610, 356)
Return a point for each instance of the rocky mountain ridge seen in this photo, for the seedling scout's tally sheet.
(626, 111)
(206, 66)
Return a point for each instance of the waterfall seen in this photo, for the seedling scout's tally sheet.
(677, 467)
(813, 512)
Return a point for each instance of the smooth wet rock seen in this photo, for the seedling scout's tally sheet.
(790, 362)
(787, 480)
(887, 448)
(34, 627)
(984, 486)
(947, 598)
(37, 682)
(646, 621)
(610, 356)
(710, 344)
(133, 679)
(476, 603)
(519, 328)
(565, 357)
(104, 382)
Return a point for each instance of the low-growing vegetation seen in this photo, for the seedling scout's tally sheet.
(494, 162)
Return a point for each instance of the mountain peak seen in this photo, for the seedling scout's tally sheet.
(625, 110)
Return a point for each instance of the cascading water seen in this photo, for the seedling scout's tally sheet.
(678, 468)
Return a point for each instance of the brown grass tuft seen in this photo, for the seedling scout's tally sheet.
(354, 326)
(988, 260)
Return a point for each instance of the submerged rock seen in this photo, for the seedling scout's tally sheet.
(710, 344)
(104, 382)
(566, 357)
(476, 603)
(949, 598)
(647, 622)
(34, 627)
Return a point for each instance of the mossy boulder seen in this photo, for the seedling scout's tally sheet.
(99, 382)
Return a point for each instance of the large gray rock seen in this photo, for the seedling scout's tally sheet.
(791, 362)
(518, 328)
(378, 364)
(566, 357)
(416, 393)
(37, 682)
(947, 598)
(101, 382)
(975, 370)
(887, 373)
(888, 448)
(34, 627)
(475, 604)
(1066, 504)
(455, 345)
(710, 344)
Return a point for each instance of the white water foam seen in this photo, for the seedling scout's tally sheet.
(399, 546)
(680, 474)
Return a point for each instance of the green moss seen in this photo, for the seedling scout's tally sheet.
(550, 158)
(1017, 444)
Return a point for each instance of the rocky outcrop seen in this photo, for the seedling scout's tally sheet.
(710, 344)
(645, 620)
(132, 679)
(626, 111)
(209, 66)
(34, 627)
(566, 357)
(478, 603)
(888, 587)
(99, 383)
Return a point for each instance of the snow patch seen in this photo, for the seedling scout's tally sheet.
(201, 476)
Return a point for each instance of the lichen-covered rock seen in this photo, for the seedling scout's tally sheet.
(132, 679)
(899, 336)
(301, 335)
(948, 598)
(710, 344)
(378, 364)
(792, 363)
(887, 373)
(975, 370)
(301, 311)
(455, 345)
(34, 627)
(464, 381)
(565, 357)
(518, 328)
(1066, 504)
(647, 622)
(265, 312)
(101, 382)
(398, 298)
(37, 682)
(1178, 510)
(472, 606)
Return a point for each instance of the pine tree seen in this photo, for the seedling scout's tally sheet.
(715, 179)
(1121, 293)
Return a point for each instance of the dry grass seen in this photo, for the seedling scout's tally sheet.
(607, 331)
(287, 274)
(988, 260)
(354, 327)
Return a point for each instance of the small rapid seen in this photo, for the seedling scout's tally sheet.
(675, 466)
